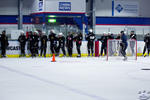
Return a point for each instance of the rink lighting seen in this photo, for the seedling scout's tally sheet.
(51, 16)
(52, 20)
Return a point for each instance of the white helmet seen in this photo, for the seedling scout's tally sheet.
(35, 31)
(61, 34)
(109, 32)
(22, 32)
(53, 31)
(44, 32)
(125, 32)
(104, 32)
(90, 30)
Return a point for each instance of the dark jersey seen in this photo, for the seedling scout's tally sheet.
(103, 39)
(90, 37)
(44, 41)
(53, 39)
(22, 39)
(79, 38)
(147, 39)
(4, 41)
(111, 36)
(69, 42)
(133, 36)
(124, 39)
(118, 37)
(61, 41)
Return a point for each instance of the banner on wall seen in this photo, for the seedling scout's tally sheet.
(64, 6)
(41, 6)
(126, 8)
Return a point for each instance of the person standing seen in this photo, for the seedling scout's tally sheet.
(132, 41)
(36, 43)
(53, 42)
(4, 43)
(78, 40)
(147, 44)
(123, 44)
(90, 37)
(103, 39)
(61, 45)
(69, 43)
(43, 44)
(22, 41)
(32, 44)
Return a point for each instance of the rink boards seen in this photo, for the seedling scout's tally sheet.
(13, 49)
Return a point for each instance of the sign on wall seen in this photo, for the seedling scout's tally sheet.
(78, 6)
(126, 8)
(41, 5)
(64, 6)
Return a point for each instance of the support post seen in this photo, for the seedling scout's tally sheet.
(20, 15)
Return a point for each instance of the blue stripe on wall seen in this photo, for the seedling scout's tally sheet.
(122, 20)
(12, 19)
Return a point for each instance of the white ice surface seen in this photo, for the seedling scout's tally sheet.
(73, 79)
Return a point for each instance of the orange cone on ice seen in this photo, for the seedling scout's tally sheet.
(53, 58)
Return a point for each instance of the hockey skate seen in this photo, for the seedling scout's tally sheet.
(125, 58)
(79, 56)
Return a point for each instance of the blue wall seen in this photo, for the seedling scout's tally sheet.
(12, 19)
(122, 21)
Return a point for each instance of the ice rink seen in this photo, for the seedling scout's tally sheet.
(87, 78)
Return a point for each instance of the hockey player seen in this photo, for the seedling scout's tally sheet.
(43, 44)
(36, 43)
(123, 44)
(69, 43)
(78, 40)
(31, 42)
(132, 42)
(147, 44)
(32, 45)
(4, 43)
(61, 40)
(144, 50)
(28, 41)
(90, 37)
(53, 42)
(103, 39)
(22, 40)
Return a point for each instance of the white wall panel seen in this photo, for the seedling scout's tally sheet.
(145, 8)
(35, 6)
(27, 6)
(104, 7)
(8, 7)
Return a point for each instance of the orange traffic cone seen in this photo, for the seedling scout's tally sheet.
(53, 58)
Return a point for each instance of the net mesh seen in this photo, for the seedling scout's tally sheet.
(114, 49)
